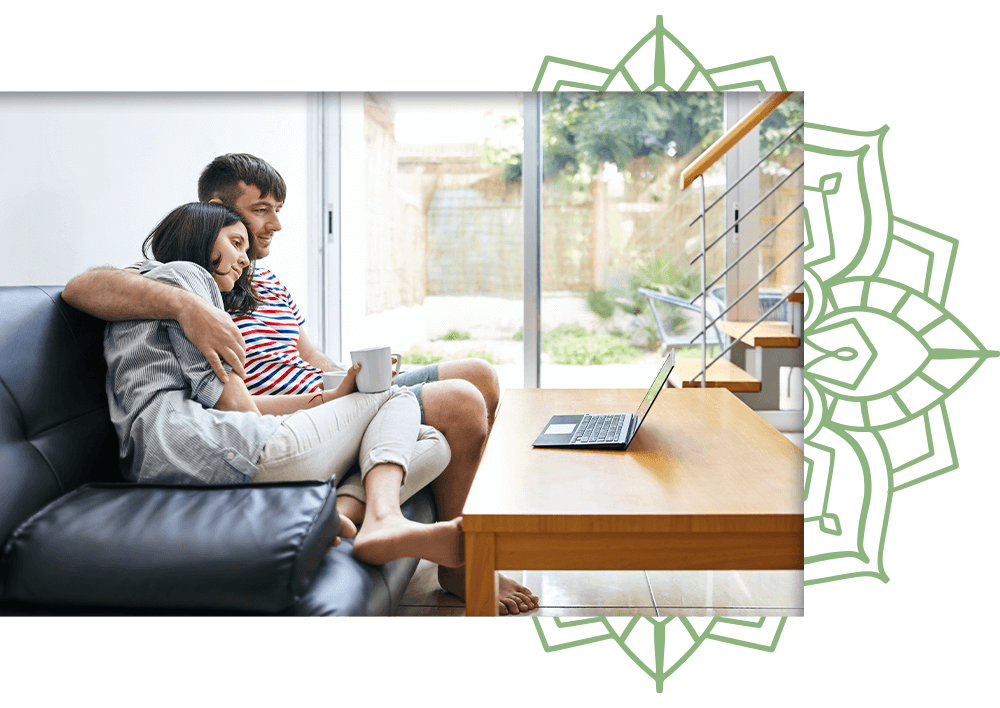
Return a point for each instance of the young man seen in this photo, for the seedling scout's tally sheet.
(272, 353)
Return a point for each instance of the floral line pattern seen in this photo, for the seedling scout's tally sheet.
(882, 354)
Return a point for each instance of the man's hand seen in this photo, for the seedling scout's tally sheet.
(235, 397)
(215, 334)
(115, 295)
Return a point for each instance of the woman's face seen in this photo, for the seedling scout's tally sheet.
(230, 255)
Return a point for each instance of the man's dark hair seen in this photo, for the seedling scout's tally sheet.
(188, 233)
(221, 178)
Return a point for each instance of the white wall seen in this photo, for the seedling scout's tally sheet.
(85, 177)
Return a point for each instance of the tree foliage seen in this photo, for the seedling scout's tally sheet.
(587, 129)
(776, 126)
(580, 131)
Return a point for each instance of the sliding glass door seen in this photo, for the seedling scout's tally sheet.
(431, 239)
(615, 222)
(455, 219)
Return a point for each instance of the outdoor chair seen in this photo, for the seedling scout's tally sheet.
(668, 339)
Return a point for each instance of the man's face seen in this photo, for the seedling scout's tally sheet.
(262, 215)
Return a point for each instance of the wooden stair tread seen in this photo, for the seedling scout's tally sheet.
(765, 334)
(794, 296)
(721, 374)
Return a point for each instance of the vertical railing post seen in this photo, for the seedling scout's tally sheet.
(704, 292)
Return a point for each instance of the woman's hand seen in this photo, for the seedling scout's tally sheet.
(235, 397)
(347, 386)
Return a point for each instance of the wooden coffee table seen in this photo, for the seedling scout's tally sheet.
(706, 485)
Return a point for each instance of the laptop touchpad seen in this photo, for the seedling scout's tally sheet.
(560, 429)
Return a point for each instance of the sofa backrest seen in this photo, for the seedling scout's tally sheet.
(55, 432)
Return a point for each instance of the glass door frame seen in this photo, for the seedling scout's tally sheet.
(327, 197)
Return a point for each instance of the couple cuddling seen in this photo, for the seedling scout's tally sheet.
(204, 338)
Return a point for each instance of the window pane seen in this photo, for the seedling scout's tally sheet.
(432, 229)
(779, 166)
(615, 220)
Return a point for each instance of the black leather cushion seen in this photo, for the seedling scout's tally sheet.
(344, 586)
(235, 548)
(54, 424)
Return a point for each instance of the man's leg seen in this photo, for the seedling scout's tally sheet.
(480, 374)
(457, 407)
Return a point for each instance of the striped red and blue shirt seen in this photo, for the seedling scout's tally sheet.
(271, 334)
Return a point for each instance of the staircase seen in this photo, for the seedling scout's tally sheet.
(746, 346)
(760, 361)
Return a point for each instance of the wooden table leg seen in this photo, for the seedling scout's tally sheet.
(480, 575)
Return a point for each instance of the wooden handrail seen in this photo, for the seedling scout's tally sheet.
(724, 144)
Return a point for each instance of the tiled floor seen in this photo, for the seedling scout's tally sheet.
(566, 593)
(649, 593)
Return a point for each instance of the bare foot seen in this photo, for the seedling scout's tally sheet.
(382, 540)
(347, 528)
(513, 597)
(350, 509)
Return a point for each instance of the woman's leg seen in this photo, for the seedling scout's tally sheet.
(321, 442)
(430, 456)
(311, 445)
(324, 442)
(387, 535)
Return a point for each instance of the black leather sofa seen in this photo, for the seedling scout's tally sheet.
(78, 540)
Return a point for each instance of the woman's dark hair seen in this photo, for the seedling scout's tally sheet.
(189, 232)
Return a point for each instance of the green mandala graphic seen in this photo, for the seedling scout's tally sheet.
(882, 354)
(659, 646)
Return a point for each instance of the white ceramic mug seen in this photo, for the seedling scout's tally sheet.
(332, 379)
(376, 368)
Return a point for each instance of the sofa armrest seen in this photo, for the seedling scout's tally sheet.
(238, 548)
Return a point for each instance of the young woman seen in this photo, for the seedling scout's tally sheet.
(178, 423)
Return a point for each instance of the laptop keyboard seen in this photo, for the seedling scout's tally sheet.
(599, 428)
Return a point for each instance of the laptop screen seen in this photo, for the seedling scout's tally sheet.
(654, 390)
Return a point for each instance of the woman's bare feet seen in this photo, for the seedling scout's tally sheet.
(513, 598)
(347, 528)
(384, 539)
(351, 512)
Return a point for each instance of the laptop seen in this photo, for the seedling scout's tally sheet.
(604, 431)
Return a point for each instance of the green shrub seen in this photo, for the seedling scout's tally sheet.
(485, 355)
(662, 274)
(573, 344)
(419, 357)
(601, 303)
(455, 336)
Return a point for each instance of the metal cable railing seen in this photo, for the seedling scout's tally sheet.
(750, 171)
(749, 211)
(705, 284)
